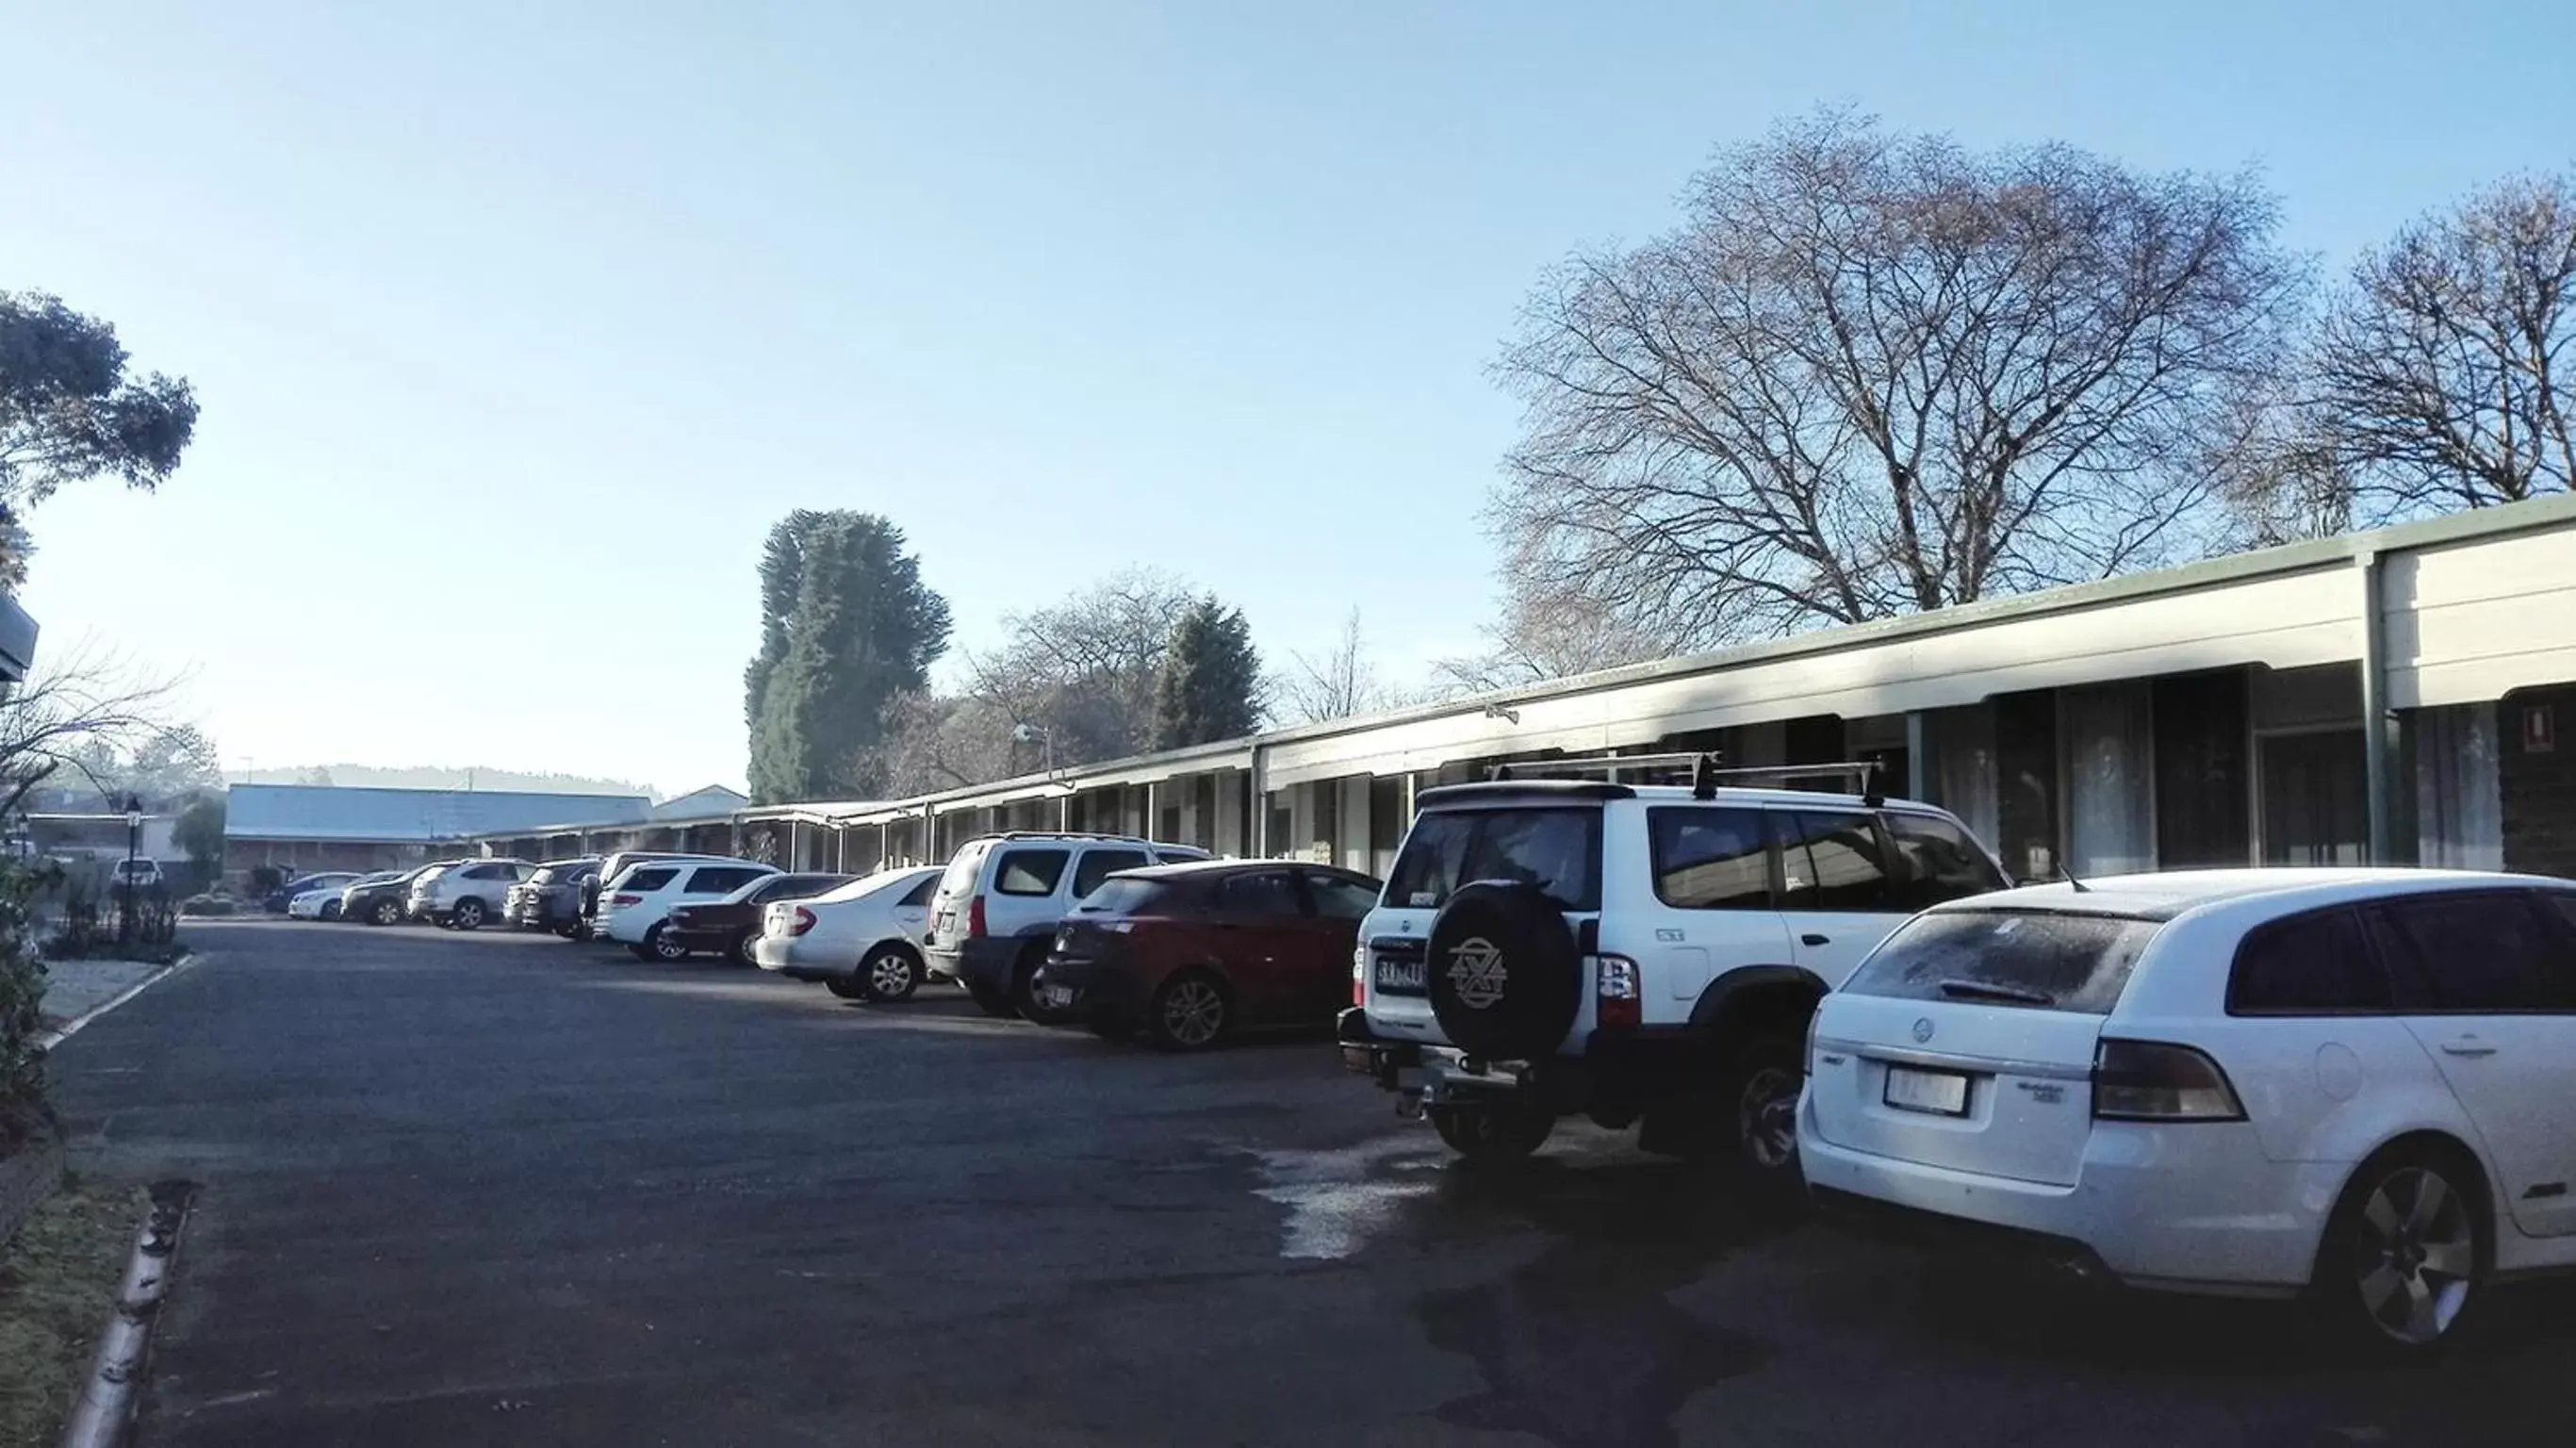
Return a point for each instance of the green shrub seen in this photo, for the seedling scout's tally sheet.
(22, 994)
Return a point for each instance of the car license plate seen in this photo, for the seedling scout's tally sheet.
(1055, 997)
(1403, 975)
(1943, 1093)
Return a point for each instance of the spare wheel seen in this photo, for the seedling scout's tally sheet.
(1506, 977)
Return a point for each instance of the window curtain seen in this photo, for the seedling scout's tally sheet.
(2110, 762)
(2459, 802)
(1963, 766)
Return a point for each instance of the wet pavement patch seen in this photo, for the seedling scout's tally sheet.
(1583, 1345)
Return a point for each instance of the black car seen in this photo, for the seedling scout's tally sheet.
(382, 902)
(551, 899)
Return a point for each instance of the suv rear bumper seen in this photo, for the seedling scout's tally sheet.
(1619, 1074)
(979, 962)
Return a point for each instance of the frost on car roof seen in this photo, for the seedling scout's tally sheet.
(2165, 895)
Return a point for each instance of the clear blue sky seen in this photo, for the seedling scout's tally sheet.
(546, 311)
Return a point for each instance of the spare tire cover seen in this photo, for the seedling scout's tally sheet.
(1505, 975)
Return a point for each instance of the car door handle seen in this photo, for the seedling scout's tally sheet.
(2470, 1047)
(1812, 938)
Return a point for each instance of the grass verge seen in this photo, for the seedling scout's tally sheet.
(58, 1280)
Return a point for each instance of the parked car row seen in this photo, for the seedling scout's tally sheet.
(2356, 1086)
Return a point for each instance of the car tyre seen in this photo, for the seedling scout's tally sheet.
(1190, 1011)
(1757, 1102)
(2407, 1252)
(740, 951)
(330, 910)
(660, 944)
(1492, 1135)
(1024, 984)
(888, 975)
(385, 912)
(468, 915)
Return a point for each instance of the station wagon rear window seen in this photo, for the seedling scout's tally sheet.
(2034, 959)
(1556, 849)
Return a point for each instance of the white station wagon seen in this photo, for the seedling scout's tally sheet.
(2358, 1084)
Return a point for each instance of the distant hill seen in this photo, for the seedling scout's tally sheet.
(368, 776)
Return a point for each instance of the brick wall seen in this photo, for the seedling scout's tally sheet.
(2539, 786)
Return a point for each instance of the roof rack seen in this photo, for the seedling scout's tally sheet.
(1704, 771)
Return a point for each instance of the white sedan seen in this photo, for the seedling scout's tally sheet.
(862, 940)
(2355, 1084)
(323, 904)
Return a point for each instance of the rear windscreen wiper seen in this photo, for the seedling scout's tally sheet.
(1981, 990)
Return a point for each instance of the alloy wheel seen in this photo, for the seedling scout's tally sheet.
(890, 976)
(1766, 1118)
(2417, 1255)
(1193, 1012)
(665, 946)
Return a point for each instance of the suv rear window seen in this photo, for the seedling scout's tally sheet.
(2033, 958)
(1556, 849)
(1029, 872)
(1099, 865)
(648, 880)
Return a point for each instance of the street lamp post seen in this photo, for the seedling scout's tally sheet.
(133, 848)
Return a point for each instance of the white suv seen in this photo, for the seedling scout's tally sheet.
(465, 895)
(2358, 1083)
(1634, 953)
(634, 906)
(994, 916)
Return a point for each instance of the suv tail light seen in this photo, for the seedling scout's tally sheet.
(802, 922)
(1810, 1063)
(1617, 991)
(1359, 974)
(621, 901)
(975, 918)
(2153, 1081)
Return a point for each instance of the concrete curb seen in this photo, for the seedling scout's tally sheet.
(105, 1411)
(71, 1028)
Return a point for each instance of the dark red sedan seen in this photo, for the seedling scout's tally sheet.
(1190, 952)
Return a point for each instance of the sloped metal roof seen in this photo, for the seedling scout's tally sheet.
(321, 812)
(715, 802)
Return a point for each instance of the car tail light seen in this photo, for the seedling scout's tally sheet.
(1615, 988)
(1359, 975)
(2152, 1081)
(975, 918)
(622, 901)
(1810, 1066)
(801, 922)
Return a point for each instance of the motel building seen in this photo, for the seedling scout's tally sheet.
(2393, 696)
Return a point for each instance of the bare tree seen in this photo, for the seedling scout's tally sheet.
(1338, 683)
(1089, 669)
(934, 743)
(1544, 636)
(1871, 374)
(84, 708)
(2446, 369)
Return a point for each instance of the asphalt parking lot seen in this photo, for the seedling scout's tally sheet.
(501, 1189)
